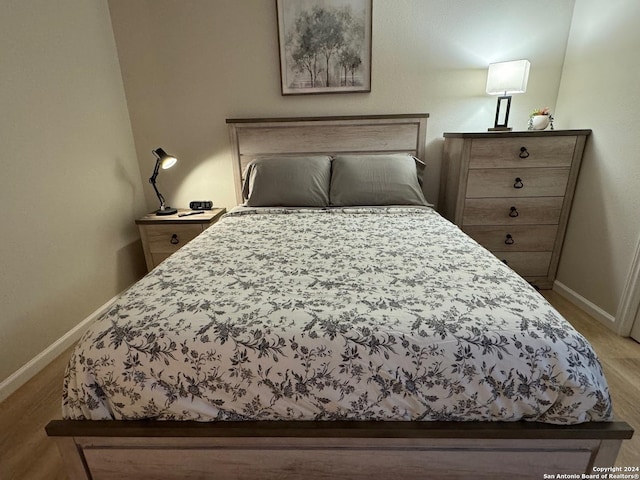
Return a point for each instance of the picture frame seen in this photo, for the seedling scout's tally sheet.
(325, 46)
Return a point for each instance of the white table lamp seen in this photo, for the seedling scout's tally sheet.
(505, 79)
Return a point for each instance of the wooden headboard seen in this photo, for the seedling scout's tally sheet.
(375, 134)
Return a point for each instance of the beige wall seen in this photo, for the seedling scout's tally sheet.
(70, 184)
(188, 65)
(600, 90)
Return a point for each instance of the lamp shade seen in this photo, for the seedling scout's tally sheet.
(166, 160)
(505, 78)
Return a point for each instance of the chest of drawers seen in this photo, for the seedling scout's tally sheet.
(512, 192)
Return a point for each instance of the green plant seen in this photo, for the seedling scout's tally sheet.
(540, 111)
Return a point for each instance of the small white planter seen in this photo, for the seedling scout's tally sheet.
(539, 122)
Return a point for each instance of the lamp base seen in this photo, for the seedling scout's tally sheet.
(499, 129)
(167, 211)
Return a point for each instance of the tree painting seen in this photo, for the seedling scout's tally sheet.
(325, 45)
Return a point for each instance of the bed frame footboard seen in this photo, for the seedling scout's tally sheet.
(338, 450)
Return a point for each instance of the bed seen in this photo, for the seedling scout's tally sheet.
(333, 326)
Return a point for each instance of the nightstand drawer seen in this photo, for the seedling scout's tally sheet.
(505, 152)
(517, 182)
(159, 257)
(527, 264)
(169, 238)
(523, 238)
(512, 211)
(163, 235)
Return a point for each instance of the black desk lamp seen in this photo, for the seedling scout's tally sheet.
(165, 161)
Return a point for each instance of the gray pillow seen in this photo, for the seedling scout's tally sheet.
(376, 180)
(288, 182)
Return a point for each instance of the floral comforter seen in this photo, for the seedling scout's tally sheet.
(345, 314)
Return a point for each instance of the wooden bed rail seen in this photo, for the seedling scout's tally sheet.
(345, 429)
(95, 450)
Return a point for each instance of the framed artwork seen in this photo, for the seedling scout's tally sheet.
(325, 46)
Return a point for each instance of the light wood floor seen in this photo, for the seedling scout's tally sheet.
(620, 358)
(26, 452)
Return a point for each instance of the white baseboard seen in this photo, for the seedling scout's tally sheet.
(585, 305)
(44, 358)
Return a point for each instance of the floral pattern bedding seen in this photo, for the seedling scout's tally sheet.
(337, 314)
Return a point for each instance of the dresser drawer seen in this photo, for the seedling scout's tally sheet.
(512, 211)
(527, 264)
(167, 239)
(505, 152)
(517, 182)
(519, 238)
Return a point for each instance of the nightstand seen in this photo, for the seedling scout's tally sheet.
(512, 193)
(163, 235)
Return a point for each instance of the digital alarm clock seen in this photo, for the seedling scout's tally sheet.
(201, 205)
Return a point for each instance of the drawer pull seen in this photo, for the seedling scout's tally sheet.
(509, 240)
(174, 239)
(518, 183)
(523, 152)
(513, 212)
